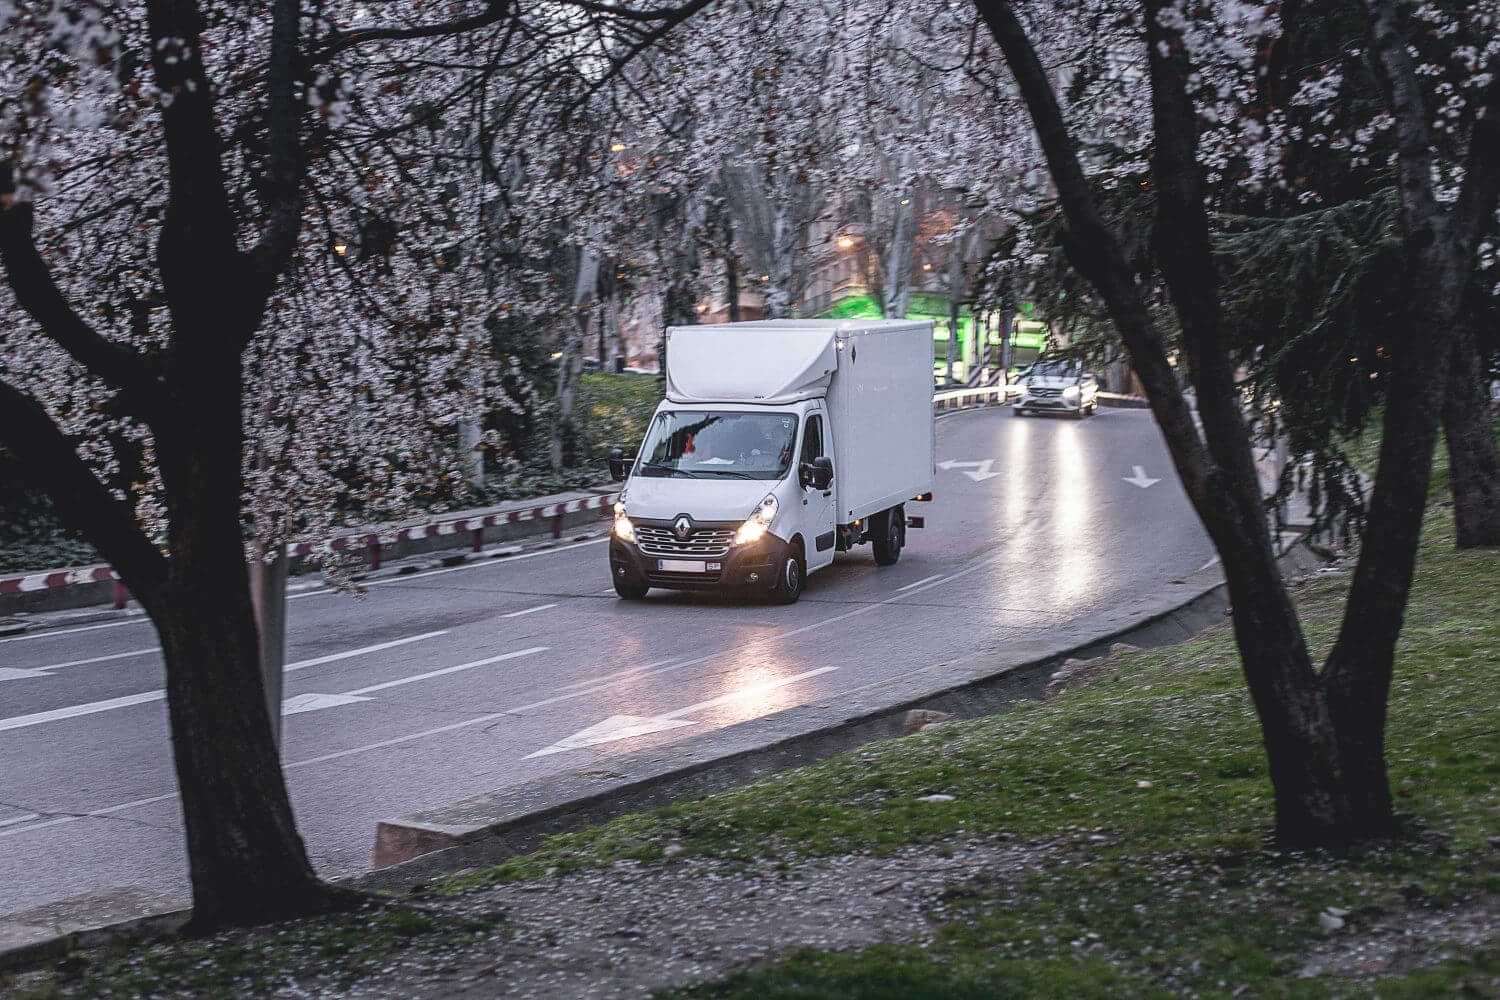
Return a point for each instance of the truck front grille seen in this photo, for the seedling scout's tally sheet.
(703, 543)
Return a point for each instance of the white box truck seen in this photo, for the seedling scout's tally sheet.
(780, 443)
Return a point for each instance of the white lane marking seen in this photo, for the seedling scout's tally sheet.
(101, 659)
(489, 564)
(529, 611)
(448, 670)
(74, 631)
(109, 704)
(1206, 565)
(619, 727)
(925, 579)
(20, 819)
(21, 674)
(74, 711)
(1141, 479)
(332, 657)
(311, 702)
(496, 716)
(611, 592)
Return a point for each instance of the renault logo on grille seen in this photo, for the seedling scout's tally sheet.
(683, 526)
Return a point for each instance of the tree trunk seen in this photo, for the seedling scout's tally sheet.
(1473, 461)
(731, 274)
(246, 859)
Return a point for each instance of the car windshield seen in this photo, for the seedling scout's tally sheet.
(1054, 369)
(724, 444)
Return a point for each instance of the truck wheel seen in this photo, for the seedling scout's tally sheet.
(629, 590)
(889, 535)
(791, 579)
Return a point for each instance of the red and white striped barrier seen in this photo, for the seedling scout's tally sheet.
(53, 579)
(371, 541)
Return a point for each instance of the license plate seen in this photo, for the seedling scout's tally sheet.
(686, 566)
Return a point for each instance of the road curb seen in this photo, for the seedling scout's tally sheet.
(488, 828)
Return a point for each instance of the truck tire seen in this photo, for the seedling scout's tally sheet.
(629, 590)
(888, 535)
(791, 578)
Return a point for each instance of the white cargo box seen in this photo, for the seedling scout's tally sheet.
(875, 376)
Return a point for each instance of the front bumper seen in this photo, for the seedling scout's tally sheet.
(1057, 403)
(750, 567)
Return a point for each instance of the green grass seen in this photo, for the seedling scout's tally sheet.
(614, 409)
(1163, 758)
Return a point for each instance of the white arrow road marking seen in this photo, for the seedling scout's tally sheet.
(981, 469)
(616, 727)
(312, 702)
(1140, 478)
(619, 727)
(95, 707)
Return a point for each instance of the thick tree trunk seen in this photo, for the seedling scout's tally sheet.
(1473, 459)
(245, 857)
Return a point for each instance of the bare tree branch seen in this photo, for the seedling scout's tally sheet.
(49, 459)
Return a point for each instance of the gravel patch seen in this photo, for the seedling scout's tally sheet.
(1392, 944)
(634, 928)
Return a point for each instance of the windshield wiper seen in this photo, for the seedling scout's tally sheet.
(727, 472)
(670, 470)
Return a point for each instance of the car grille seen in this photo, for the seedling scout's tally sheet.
(703, 543)
(1044, 392)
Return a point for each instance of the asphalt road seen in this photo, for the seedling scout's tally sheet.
(464, 680)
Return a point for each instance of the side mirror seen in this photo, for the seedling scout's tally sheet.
(616, 464)
(822, 472)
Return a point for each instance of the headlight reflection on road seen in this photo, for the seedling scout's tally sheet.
(1070, 503)
(1020, 495)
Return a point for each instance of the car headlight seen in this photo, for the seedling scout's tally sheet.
(1071, 392)
(758, 523)
(624, 530)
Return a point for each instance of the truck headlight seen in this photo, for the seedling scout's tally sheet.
(624, 530)
(758, 523)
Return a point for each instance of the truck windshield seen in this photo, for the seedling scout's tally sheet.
(731, 445)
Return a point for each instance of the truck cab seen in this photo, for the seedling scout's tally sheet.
(742, 481)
